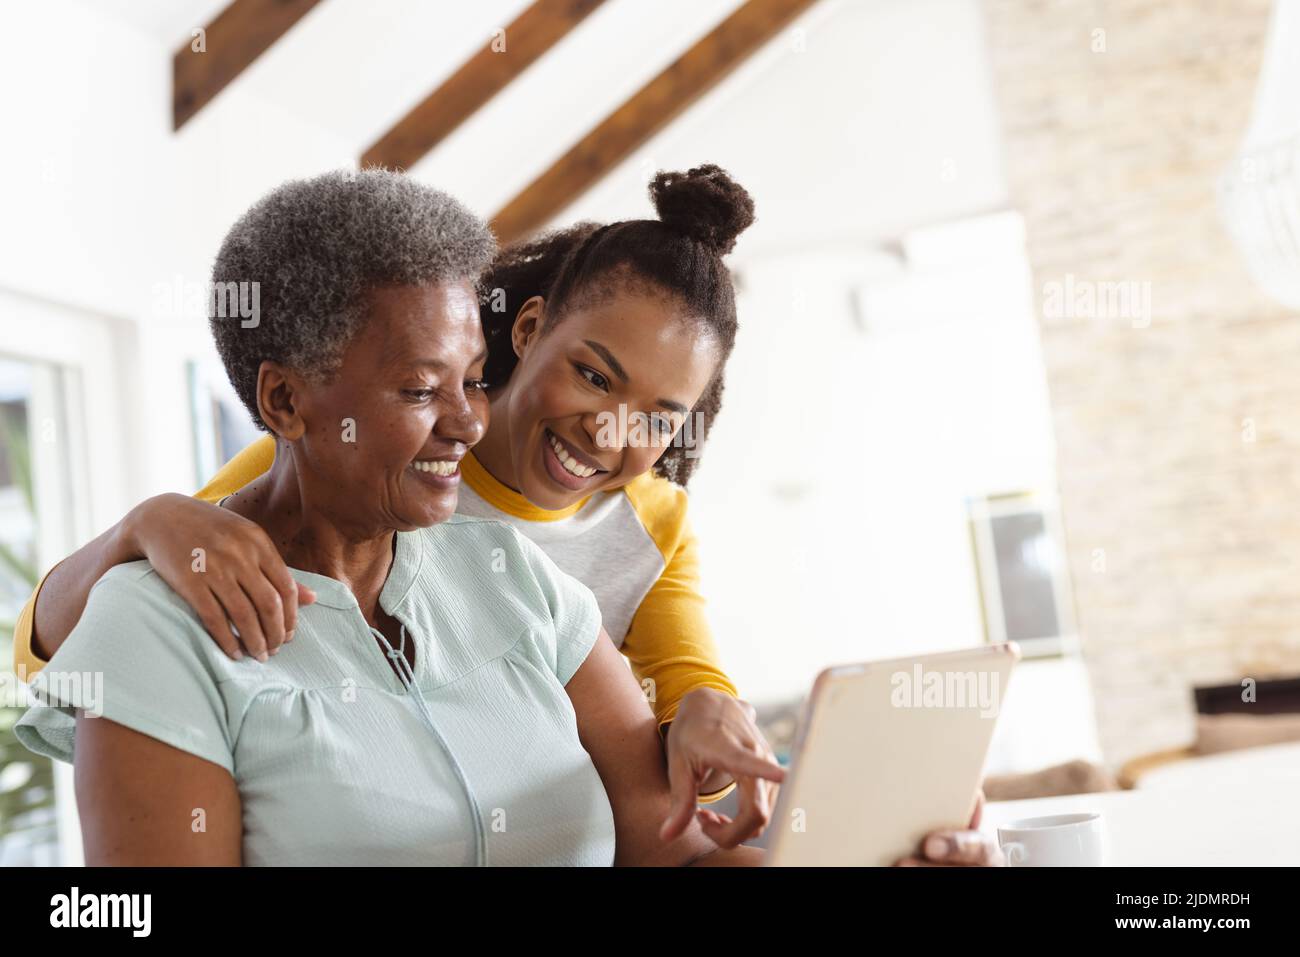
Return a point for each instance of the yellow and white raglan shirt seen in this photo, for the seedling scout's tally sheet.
(633, 547)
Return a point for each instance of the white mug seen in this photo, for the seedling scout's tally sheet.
(1061, 840)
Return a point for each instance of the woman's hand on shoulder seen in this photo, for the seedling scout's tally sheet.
(225, 567)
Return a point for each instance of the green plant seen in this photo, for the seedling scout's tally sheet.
(26, 779)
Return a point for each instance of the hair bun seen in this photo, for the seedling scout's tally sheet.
(704, 203)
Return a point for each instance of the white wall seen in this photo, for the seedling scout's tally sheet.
(867, 401)
(103, 202)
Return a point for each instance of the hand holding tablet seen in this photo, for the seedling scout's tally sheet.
(887, 753)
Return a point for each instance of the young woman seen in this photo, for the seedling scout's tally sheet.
(607, 349)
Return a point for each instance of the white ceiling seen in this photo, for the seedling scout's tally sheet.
(866, 120)
(859, 121)
(354, 67)
(167, 20)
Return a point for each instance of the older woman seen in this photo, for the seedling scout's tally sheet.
(451, 696)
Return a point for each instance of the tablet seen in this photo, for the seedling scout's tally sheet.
(886, 752)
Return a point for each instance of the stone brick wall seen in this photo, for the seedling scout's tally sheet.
(1178, 428)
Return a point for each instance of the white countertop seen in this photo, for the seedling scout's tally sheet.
(1240, 808)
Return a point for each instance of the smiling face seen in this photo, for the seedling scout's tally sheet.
(410, 384)
(596, 397)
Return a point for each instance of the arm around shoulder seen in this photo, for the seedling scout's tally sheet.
(56, 605)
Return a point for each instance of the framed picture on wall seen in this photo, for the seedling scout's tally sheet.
(1024, 582)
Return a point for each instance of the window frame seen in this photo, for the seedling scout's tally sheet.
(86, 394)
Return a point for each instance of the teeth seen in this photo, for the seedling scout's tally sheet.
(437, 467)
(571, 465)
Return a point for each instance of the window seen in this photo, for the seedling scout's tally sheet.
(32, 442)
(64, 407)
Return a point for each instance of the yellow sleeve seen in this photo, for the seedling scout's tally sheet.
(251, 462)
(26, 662)
(669, 642)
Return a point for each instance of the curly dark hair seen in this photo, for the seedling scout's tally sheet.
(701, 212)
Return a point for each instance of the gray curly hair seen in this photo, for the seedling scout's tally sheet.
(314, 248)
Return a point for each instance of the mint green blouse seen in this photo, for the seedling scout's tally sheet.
(337, 761)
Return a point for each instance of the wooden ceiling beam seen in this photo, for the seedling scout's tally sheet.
(489, 71)
(647, 112)
(241, 33)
